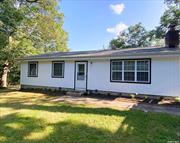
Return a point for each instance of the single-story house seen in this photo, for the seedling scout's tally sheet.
(148, 70)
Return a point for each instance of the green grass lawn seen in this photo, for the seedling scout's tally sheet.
(33, 117)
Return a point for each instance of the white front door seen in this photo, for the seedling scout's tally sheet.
(81, 76)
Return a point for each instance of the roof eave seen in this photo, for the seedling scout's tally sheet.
(106, 57)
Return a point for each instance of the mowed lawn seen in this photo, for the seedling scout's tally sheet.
(34, 118)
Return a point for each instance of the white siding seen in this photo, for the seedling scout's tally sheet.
(165, 77)
(44, 75)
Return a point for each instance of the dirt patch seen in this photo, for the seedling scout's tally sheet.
(169, 102)
(121, 104)
(165, 105)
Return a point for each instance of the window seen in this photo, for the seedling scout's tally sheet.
(81, 72)
(33, 69)
(116, 70)
(143, 71)
(58, 69)
(131, 70)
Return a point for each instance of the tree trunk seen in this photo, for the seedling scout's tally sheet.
(5, 74)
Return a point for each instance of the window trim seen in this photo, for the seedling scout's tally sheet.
(52, 71)
(37, 65)
(137, 82)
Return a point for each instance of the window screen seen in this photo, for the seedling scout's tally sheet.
(32, 69)
(129, 70)
(116, 70)
(58, 69)
(143, 71)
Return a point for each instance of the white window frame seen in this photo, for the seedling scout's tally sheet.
(63, 67)
(135, 71)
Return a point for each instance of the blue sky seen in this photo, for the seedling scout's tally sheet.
(91, 24)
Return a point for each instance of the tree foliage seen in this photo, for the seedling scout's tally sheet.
(29, 27)
(134, 36)
(172, 2)
(43, 26)
(170, 16)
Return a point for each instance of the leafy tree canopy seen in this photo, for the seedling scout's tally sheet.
(171, 2)
(29, 27)
(134, 36)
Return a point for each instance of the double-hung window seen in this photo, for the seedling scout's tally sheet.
(131, 70)
(143, 71)
(33, 69)
(116, 69)
(58, 69)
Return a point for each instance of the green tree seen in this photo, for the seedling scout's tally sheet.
(171, 2)
(119, 42)
(43, 26)
(28, 27)
(170, 16)
(10, 19)
(134, 36)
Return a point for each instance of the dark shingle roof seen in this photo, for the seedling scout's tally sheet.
(109, 53)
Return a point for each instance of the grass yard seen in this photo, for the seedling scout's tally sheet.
(33, 118)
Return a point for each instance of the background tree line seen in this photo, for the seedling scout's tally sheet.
(138, 36)
(28, 27)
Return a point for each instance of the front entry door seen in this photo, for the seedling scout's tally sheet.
(81, 76)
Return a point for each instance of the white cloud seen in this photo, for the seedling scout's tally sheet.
(117, 8)
(117, 28)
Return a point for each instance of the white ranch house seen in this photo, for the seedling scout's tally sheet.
(150, 70)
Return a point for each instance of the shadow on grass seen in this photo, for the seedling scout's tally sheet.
(136, 127)
(15, 128)
(65, 132)
(63, 108)
(7, 90)
(45, 92)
